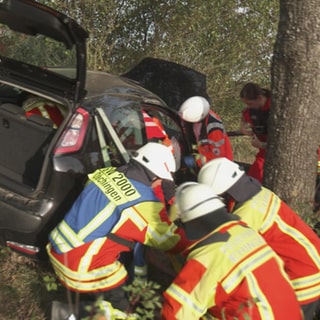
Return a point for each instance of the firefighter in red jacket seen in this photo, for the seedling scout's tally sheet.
(282, 228)
(254, 122)
(117, 209)
(230, 272)
(209, 132)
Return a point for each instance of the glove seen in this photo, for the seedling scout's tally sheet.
(189, 161)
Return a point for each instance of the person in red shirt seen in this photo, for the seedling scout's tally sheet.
(282, 228)
(209, 131)
(254, 121)
(230, 272)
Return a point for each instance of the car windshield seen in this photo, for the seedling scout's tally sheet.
(39, 51)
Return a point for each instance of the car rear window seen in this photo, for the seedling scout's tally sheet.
(39, 51)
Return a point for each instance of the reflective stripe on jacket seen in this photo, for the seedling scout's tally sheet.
(81, 253)
(155, 130)
(240, 278)
(290, 237)
(44, 108)
(218, 145)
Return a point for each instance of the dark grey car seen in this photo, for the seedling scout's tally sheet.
(43, 168)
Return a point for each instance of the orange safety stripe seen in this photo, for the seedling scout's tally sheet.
(155, 130)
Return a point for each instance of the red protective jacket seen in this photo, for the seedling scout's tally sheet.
(290, 237)
(237, 276)
(212, 138)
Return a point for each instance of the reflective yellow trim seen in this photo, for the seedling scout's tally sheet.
(97, 221)
(159, 233)
(140, 271)
(301, 239)
(102, 278)
(246, 266)
(76, 239)
(275, 203)
(156, 236)
(92, 250)
(86, 276)
(261, 302)
(312, 293)
(69, 234)
(59, 241)
(307, 287)
(307, 281)
(189, 304)
(95, 284)
(133, 214)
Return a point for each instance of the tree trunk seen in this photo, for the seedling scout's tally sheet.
(294, 123)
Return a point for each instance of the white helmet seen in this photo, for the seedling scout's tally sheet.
(157, 158)
(194, 109)
(220, 174)
(194, 200)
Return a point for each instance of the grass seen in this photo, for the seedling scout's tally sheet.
(28, 288)
(24, 293)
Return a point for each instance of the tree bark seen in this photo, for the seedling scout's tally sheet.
(294, 123)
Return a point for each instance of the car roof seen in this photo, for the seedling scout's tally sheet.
(171, 81)
(100, 83)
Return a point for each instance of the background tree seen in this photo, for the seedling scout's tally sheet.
(294, 133)
(230, 41)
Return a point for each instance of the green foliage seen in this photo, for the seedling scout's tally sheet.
(50, 282)
(144, 298)
(4, 253)
(23, 291)
(230, 41)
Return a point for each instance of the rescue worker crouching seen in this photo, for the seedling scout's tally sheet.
(230, 272)
(286, 233)
(117, 209)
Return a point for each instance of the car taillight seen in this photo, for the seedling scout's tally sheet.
(20, 247)
(73, 136)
